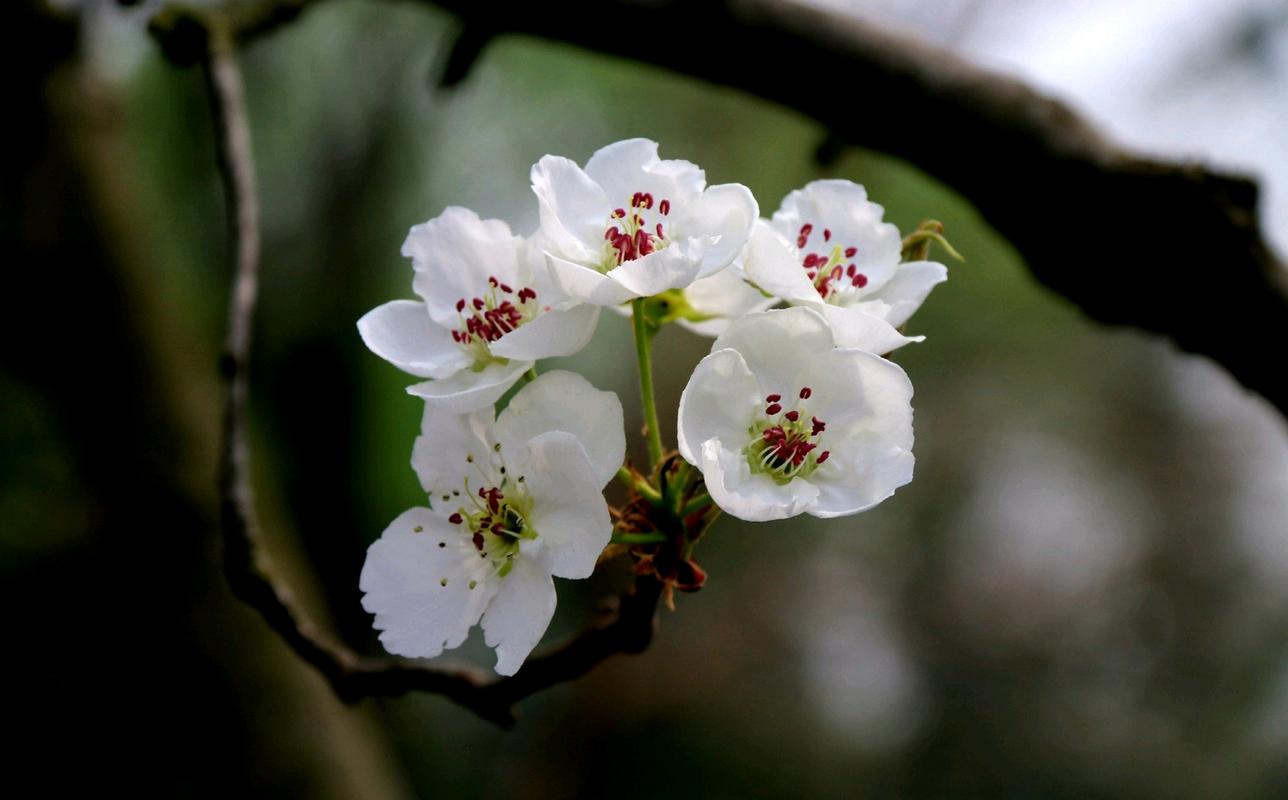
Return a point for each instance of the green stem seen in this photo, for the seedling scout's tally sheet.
(641, 486)
(531, 374)
(644, 359)
(695, 505)
(638, 538)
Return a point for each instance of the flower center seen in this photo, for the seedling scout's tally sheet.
(496, 516)
(836, 280)
(784, 443)
(485, 319)
(636, 232)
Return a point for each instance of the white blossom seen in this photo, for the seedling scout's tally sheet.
(828, 248)
(632, 225)
(514, 501)
(487, 311)
(781, 421)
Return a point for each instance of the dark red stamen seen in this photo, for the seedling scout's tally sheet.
(822, 456)
(850, 251)
(773, 409)
(773, 398)
(456, 519)
(460, 304)
(793, 415)
(806, 392)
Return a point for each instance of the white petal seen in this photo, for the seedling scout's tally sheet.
(854, 221)
(402, 333)
(569, 513)
(904, 293)
(776, 343)
(883, 472)
(723, 296)
(551, 334)
(468, 390)
(853, 326)
(455, 253)
(586, 284)
(719, 402)
(626, 167)
(726, 211)
(519, 614)
(442, 453)
(773, 263)
(672, 267)
(754, 497)
(574, 209)
(402, 581)
(565, 401)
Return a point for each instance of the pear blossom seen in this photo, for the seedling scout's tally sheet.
(632, 225)
(514, 500)
(488, 310)
(781, 421)
(827, 248)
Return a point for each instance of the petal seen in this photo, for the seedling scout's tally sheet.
(448, 447)
(853, 326)
(565, 401)
(723, 297)
(551, 334)
(719, 402)
(455, 253)
(519, 614)
(673, 267)
(877, 479)
(574, 209)
(904, 293)
(746, 495)
(727, 211)
(626, 167)
(468, 390)
(402, 582)
(843, 208)
(402, 333)
(773, 264)
(569, 513)
(776, 343)
(585, 284)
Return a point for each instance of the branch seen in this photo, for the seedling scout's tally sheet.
(250, 573)
(1170, 248)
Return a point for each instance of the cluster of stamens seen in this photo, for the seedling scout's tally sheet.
(784, 442)
(629, 235)
(828, 271)
(488, 318)
(495, 517)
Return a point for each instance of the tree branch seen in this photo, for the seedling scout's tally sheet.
(1170, 248)
(249, 571)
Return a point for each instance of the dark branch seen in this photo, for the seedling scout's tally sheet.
(250, 573)
(1166, 247)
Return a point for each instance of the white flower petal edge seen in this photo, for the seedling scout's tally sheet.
(489, 309)
(633, 225)
(516, 500)
(781, 421)
(827, 247)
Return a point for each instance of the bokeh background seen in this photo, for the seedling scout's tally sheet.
(1083, 593)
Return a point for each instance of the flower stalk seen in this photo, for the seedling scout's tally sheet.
(644, 332)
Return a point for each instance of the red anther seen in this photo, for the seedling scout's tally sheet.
(773, 398)
(850, 270)
(811, 274)
(793, 415)
(800, 240)
(506, 289)
(492, 281)
(648, 200)
(819, 426)
(660, 235)
(850, 251)
(810, 260)
(478, 541)
(456, 519)
(460, 304)
(773, 409)
(822, 456)
(497, 527)
(620, 213)
(610, 233)
(806, 392)
(664, 207)
(478, 304)
(827, 235)
(836, 273)
(456, 336)
(806, 229)
(635, 200)
(860, 280)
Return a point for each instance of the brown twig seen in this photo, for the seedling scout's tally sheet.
(1171, 248)
(626, 629)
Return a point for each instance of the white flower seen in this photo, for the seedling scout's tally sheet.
(828, 249)
(488, 311)
(631, 225)
(515, 501)
(781, 421)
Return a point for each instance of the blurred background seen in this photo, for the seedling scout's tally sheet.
(1083, 593)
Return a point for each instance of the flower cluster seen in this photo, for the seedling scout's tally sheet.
(795, 410)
